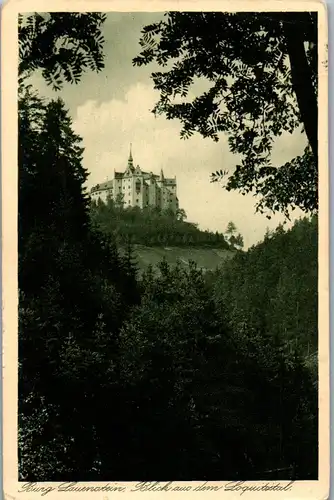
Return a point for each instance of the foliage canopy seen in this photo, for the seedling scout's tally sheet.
(61, 45)
(262, 71)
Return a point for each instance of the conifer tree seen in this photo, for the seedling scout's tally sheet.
(74, 296)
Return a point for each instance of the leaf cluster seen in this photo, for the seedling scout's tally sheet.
(61, 45)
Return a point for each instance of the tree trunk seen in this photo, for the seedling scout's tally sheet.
(302, 81)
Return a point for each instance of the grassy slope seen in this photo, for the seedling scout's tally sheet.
(206, 258)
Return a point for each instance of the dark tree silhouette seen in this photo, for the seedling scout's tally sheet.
(262, 68)
(62, 45)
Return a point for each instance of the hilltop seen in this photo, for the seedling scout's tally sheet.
(163, 229)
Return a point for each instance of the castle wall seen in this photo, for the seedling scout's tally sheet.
(138, 192)
(152, 194)
(127, 188)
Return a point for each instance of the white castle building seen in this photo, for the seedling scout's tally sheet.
(136, 188)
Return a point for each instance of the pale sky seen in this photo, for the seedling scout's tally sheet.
(111, 109)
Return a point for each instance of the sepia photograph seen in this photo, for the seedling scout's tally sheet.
(167, 239)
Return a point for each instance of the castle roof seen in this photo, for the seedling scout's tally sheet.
(148, 175)
(132, 171)
(102, 186)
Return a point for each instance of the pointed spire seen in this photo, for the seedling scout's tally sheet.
(162, 177)
(130, 160)
(130, 166)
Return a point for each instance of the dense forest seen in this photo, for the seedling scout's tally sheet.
(175, 375)
(151, 226)
(273, 287)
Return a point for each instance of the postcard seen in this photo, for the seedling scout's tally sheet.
(165, 254)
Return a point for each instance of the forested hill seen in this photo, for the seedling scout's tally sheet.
(273, 286)
(153, 228)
